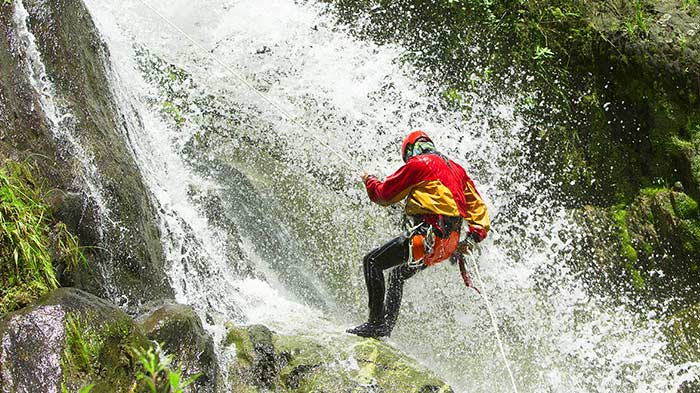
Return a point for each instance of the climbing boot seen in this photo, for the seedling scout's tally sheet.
(370, 329)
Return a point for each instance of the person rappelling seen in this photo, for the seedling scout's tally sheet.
(439, 197)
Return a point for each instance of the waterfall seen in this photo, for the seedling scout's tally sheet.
(61, 122)
(261, 224)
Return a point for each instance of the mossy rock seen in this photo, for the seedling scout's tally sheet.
(658, 231)
(683, 333)
(257, 363)
(179, 329)
(342, 363)
(69, 339)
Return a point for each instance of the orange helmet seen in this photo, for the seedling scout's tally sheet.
(412, 138)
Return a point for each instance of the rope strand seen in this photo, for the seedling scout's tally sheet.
(240, 78)
(501, 347)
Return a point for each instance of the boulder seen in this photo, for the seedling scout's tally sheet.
(179, 330)
(68, 340)
(266, 360)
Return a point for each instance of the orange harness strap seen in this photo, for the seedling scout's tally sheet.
(442, 250)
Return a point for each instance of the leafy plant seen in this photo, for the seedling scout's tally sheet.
(87, 388)
(542, 53)
(640, 20)
(29, 240)
(157, 375)
(81, 346)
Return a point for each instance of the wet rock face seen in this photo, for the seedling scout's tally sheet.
(68, 339)
(30, 358)
(650, 247)
(124, 233)
(265, 360)
(180, 331)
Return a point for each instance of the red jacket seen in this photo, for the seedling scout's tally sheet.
(433, 186)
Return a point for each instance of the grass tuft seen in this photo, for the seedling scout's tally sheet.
(30, 240)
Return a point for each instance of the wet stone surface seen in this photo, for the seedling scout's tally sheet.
(69, 339)
(30, 359)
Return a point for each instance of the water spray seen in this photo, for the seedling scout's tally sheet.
(240, 78)
(285, 114)
(494, 322)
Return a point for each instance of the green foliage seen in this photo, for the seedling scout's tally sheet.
(29, 240)
(628, 251)
(157, 376)
(82, 347)
(7, 1)
(639, 25)
(99, 351)
(87, 388)
(84, 389)
(685, 207)
(542, 53)
(174, 111)
(637, 279)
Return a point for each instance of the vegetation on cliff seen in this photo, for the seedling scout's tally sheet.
(32, 243)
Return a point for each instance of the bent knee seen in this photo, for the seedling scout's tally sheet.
(368, 260)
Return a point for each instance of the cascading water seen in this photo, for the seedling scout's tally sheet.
(262, 225)
(62, 125)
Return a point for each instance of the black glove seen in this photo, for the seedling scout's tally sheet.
(474, 237)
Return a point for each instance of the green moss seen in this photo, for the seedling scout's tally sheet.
(244, 345)
(627, 250)
(685, 206)
(27, 245)
(637, 279)
(684, 335)
(313, 367)
(82, 348)
(174, 111)
(392, 371)
(651, 192)
(100, 353)
(689, 234)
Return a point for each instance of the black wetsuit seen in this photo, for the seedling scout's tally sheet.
(394, 254)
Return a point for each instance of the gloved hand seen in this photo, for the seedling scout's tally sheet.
(364, 175)
(469, 242)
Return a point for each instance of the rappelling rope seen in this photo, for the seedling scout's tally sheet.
(494, 322)
(238, 76)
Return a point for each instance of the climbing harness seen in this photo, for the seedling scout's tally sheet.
(272, 103)
(429, 246)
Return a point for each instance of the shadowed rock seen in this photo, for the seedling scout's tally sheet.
(180, 331)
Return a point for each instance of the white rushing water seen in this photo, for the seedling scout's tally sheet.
(262, 225)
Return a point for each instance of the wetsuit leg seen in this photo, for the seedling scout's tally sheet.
(391, 254)
(395, 291)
